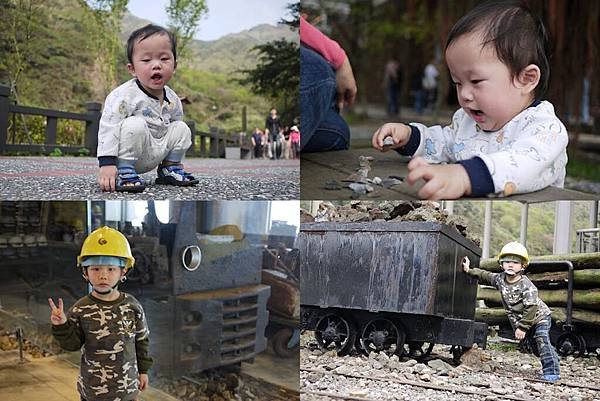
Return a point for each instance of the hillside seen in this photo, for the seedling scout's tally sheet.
(64, 69)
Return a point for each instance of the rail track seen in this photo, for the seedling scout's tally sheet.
(453, 389)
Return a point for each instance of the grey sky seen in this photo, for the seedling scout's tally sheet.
(224, 16)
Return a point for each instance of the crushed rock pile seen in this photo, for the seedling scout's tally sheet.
(395, 211)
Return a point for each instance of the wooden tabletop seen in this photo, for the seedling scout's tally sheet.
(317, 169)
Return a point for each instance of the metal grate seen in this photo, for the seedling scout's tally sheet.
(239, 328)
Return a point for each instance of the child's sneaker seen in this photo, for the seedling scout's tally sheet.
(550, 378)
(174, 174)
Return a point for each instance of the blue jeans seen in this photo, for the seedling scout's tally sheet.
(548, 355)
(322, 126)
(392, 98)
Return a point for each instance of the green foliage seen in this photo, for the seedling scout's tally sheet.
(277, 76)
(581, 167)
(506, 220)
(184, 17)
(56, 152)
(83, 152)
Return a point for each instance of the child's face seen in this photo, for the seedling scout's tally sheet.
(153, 63)
(104, 277)
(486, 90)
(512, 267)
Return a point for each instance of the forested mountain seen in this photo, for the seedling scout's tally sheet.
(53, 53)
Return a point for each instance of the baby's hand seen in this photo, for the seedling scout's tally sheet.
(107, 178)
(447, 181)
(520, 334)
(143, 381)
(58, 316)
(399, 133)
(465, 264)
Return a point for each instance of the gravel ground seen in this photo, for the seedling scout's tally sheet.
(74, 178)
(494, 374)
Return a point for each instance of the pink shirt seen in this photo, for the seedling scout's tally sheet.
(295, 137)
(328, 48)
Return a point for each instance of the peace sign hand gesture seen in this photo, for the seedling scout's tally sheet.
(58, 313)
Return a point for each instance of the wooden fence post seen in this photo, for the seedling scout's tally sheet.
(214, 142)
(4, 107)
(192, 125)
(91, 126)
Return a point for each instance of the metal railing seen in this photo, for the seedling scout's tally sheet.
(588, 240)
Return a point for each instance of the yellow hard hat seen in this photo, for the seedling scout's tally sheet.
(514, 248)
(106, 241)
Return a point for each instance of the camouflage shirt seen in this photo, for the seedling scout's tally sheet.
(113, 338)
(525, 309)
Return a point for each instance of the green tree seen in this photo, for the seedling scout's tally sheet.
(277, 73)
(184, 17)
(107, 16)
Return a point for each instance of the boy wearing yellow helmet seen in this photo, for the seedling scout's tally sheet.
(526, 311)
(108, 326)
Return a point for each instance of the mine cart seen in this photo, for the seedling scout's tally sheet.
(385, 286)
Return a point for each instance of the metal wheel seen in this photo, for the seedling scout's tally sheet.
(335, 332)
(457, 352)
(381, 334)
(570, 344)
(420, 349)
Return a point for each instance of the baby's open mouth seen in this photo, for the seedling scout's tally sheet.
(156, 76)
(477, 112)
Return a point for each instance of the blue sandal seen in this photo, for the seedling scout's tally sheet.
(175, 175)
(128, 180)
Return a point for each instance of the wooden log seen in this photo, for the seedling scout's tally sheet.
(583, 299)
(285, 296)
(581, 261)
(496, 316)
(581, 278)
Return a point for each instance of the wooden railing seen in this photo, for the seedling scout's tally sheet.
(91, 118)
(204, 144)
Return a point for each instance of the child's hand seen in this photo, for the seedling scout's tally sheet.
(400, 134)
(446, 181)
(465, 264)
(519, 334)
(143, 380)
(107, 177)
(346, 85)
(58, 313)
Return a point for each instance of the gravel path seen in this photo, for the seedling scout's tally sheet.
(74, 178)
(498, 373)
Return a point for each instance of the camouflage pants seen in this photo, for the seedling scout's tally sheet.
(548, 355)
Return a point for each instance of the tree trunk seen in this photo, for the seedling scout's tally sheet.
(580, 261)
(581, 278)
(495, 316)
(585, 299)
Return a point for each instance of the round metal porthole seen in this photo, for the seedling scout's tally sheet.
(191, 257)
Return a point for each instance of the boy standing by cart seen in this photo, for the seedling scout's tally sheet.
(526, 311)
(108, 326)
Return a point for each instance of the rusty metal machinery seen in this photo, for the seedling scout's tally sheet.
(394, 287)
(205, 304)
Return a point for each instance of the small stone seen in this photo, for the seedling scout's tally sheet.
(425, 377)
(499, 390)
(418, 368)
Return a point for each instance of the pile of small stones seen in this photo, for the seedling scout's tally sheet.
(9, 342)
(395, 211)
(493, 374)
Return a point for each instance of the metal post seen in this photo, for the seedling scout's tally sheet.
(524, 218)
(594, 215)
(4, 108)
(91, 126)
(562, 227)
(20, 338)
(487, 230)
